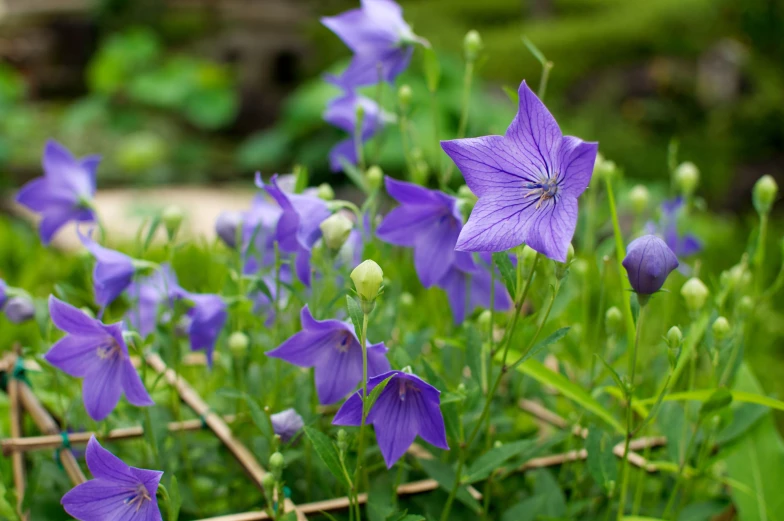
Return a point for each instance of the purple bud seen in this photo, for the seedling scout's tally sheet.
(19, 309)
(286, 424)
(648, 262)
(226, 227)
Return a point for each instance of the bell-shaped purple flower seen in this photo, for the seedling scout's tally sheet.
(333, 350)
(207, 318)
(527, 182)
(428, 221)
(258, 234)
(297, 228)
(408, 406)
(97, 353)
(381, 40)
(3, 293)
(227, 225)
(19, 309)
(648, 263)
(148, 294)
(286, 424)
(116, 492)
(475, 277)
(112, 274)
(64, 193)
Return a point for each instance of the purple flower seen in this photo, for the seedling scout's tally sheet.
(298, 226)
(682, 245)
(148, 294)
(96, 352)
(117, 492)
(333, 350)
(258, 234)
(428, 221)
(207, 317)
(648, 262)
(527, 182)
(380, 39)
(3, 293)
(476, 276)
(408, 406)
(342, 113)
(286, 424)
(64, 193)
(226, 226)
(19, 309)
(112, 274)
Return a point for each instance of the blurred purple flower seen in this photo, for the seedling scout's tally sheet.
(147, 296)
(342, 113)
(648, 262)
(117, 492)
(527, 182)
(207, 318)
(297, 228)
(226, 226)
(19, 309)
(64, 193)
(97, 353)
(476, 276)
(428, 221)
(258, 234)
(682, 245)
(286, 424)
(381, 40)
(113, 271)
(3, 293)
(333, 350)
(408, 406)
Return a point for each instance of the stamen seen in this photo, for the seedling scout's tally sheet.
(140, 495)
(107, 352)
(546, 188)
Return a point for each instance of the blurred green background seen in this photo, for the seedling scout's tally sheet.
(189, 91)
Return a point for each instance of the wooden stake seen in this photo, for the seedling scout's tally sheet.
(17, 460)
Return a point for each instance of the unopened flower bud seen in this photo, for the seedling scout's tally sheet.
(461, 388)
(674, 337)
(238, 343)
(764, 194)
(268, 482)
(484, 320)
(335, 229)
(375, 178)
(603, 169)
(745, 306)
(19, 309)
(325, 192)
(276, 463)
(472, 44)
(639, 197)
(694, 293)
(342, 441)
(613, 320)
(687, 177)
(721, 328)
(648, 263)
(498, 444)
(172, 217)
(226, 226)
(404, 95)
(406, 299)
(368, 278)
(287, 424)
(580, 267)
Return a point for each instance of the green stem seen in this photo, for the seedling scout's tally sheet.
(404, 143)
(759, 255)
(546, 68)
(361, 446)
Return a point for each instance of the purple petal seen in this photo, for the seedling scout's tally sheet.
(71, 320)
(410, 193)
(98, 500)
(105, 465)
(552, 227)
(76, 355)
(302, 266)
(434, 251)
(689, 245)
(113, 271)
(338, 373)
(575, 165)
(395, 421)
(102, 389)
(534, 133)
(350, 413)
(54, 219)
(207, 317)
(345, 150)
(497, 223)
(40, 195)
(454, 284)
(132, 384)
(377, 360)
(404, 224)
(384, 65)
(149, 478)
(62, 168)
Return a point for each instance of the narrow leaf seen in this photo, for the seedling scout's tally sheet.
(494, 458)
(355, 313)
(354, 174)
(301, 175)
(156, 221)
(542, 345)
(432, 69)
(507, 270)
(175, 501)
(613, 372)
(701, 395)
(535, 51)
(720, 399)
(376, 392)
(327, 452)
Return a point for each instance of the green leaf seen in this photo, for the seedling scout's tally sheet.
(156, 221)
(175, 501)
(535, 51)
(354, 174)
(376, 392)
(445, 476)
(328, 454)
(6, 510)
(507, 270)
(640, 518)
(301, 175)
(260, 420)
(701, 395)
(355, 312)
(719, 399)
(510, 93)
(474, 353)
(381, 498)
(613, 372)
(540, 346)
(432, 69)
(494, 458)
(570, 390)
(601, 460)
(260, 285)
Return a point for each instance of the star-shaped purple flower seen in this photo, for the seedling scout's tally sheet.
(527, 182)
(117, 492)
(148, 294)
(428, 221)
(64, 193)
(298, 226)
(333, 350)
(464, 274)
(207, 318)
(408, 406)
(381, 40)
(112, 274)
(682, 245)
(97, 353)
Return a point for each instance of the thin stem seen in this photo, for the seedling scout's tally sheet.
(546, 68)
(465, 109)
(404, 143)
(542, 322)
(361, 446)
(759, 255)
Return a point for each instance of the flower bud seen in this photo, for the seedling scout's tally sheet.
(342, 441)
(268, 482)
(287, 424)
(335, 229)
(325, 192)
(276, 463)
(694, 293)
(404, 95)
(226, 226)
(472, 44)
(603, 169)
(613, 320)
(764, 193)
(238, 344)
(745, 306)
(687, 177)
(721, 328)
(648, 263)
(484, 320)
(172, 217)
(368, 278)
(673, 353)
(674, 337)
(498, 444)
(639, 197)
(19, 309)
(375, 177)
(406, 299)
(580, 267)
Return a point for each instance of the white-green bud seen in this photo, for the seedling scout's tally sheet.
(764, 193)
(268, 482)
(238, 344)
(472, 45)
(375, 178)
(368, 278)
(613, 320)
(172, 217)
(694, 293)
(687, 177)
(404, 96)
(721, 328)
(484, 320)
(335, 229)
(639, 197)
(745, 306)
(406, 299)
(604, 169)
(276, 463)
(325, 192)
(674, 337)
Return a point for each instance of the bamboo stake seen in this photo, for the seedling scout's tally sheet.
(17, 460)
(217, 425)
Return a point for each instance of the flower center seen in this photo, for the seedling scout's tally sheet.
(343, 343)
(139, 496)
(109, 351)
(403, 387)
(546, 188)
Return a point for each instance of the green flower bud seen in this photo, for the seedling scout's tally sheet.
(335, 229)
(276, 463)
(498, 444)
(721, 328)
(406, 299)
(603, 169)
(325, 192)
(674, 337)
(613, 320)
(472, 44)
(375, 177)
(580, 267)
(484, 320)
(238, 343)
(687, 177)
(268, 482)
(404, 95)
(342, 441)
(694, 293)
(745, 306)
(764, 193)
(639, 197)
(172, 217)
(368, 278)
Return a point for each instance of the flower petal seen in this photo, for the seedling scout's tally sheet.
(534, 132)
(429, 420)
(404, 224)
(149, 478)
(132, 384)
(411, 193)
(377, 360)
(395, 424)
(96, 500)
(74, 321)
(40, 195)
(350, 413)
(497, 223)
(337, 373)
(306, 349)
(75, 355)
(454, 284)
(105, 465)
(552, 227)
(345, 150)
(575, 165)
(102, 389)
(434, 250)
